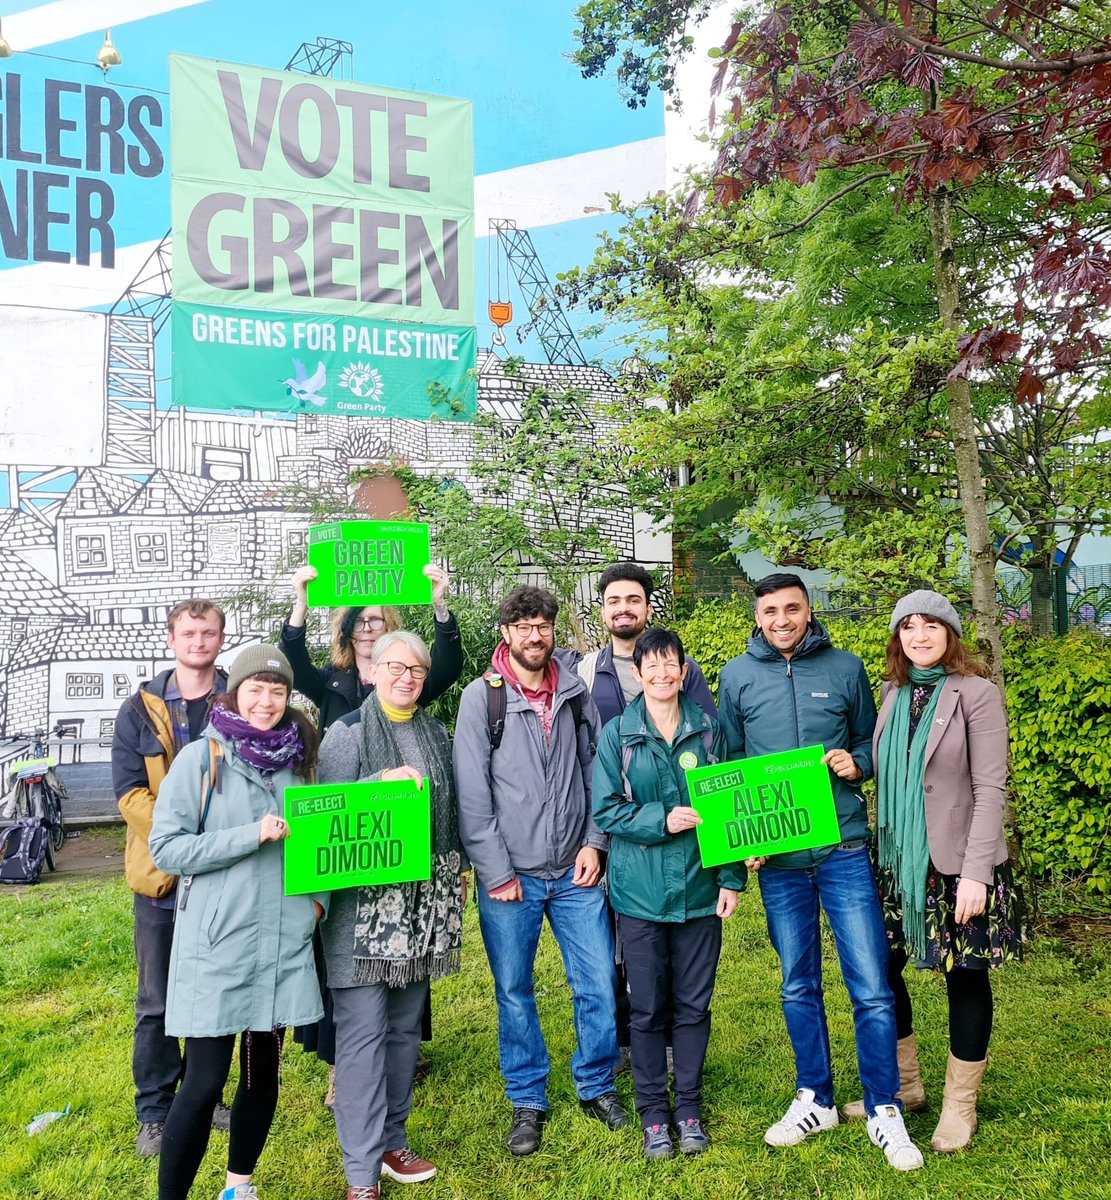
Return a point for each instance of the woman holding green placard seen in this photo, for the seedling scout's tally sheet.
(949, 894)
(669, 907)
(242, 960)
(382, 945)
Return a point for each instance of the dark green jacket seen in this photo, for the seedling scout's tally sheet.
(820, 696)
(653, 874)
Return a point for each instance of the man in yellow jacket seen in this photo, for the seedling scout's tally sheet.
(152, 726)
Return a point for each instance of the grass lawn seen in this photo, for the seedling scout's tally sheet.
(67, 990)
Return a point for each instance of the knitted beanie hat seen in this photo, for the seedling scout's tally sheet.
(259, 660)
(929, 604)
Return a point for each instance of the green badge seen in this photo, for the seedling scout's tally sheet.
(688, 760)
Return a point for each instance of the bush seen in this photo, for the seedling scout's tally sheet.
(1059, 708)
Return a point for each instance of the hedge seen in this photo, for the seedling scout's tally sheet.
(1059, 706)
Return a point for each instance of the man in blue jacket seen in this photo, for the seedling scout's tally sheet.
(791, 689)
(626, 592)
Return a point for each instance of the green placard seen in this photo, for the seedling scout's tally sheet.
(764, 805)
(369, 562)
(298, 198)
(354, 834)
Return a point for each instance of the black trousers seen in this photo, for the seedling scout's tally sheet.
(185, 1135)
(971, 1008)
(155, 1058)
(671, 967)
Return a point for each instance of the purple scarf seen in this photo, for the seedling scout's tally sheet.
(267, 749)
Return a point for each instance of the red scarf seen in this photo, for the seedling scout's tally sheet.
(540, 699)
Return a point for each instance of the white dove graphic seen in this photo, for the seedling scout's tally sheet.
(305, 388)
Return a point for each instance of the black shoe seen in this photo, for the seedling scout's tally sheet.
(221, 1117)
(607, 1109)
(149, 1144)
(525, 1132)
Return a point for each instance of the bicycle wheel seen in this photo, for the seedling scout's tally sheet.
(54, 816)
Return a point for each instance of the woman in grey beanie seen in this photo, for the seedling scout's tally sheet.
(949, 895)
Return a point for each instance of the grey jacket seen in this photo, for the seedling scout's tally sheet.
(524, 809)
(242, 954)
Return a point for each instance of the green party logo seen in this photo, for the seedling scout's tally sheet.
(688, 760)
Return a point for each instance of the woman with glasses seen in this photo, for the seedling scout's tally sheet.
(345, 683)
(669, 907)
(339, 689)
(383, 944)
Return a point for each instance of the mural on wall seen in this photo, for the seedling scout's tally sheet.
(115, 504)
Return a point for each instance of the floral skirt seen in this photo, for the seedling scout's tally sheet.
(994, 937)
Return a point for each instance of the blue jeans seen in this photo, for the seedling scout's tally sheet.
(511, 932)
(843, 885)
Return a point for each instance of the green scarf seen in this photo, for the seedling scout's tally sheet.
(904, 846)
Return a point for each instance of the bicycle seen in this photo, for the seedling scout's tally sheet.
(38, 792)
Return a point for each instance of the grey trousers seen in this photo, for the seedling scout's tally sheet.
(377, 1043)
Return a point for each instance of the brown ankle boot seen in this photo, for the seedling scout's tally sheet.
(912, 1093)
(958, 1107)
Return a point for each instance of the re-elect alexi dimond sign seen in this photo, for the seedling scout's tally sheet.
(323, 244)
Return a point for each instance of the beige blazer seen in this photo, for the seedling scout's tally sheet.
(965, 777)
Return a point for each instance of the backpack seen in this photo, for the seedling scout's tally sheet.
(23, 851)
(497, 703)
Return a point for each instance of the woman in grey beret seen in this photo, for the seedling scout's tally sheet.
(949, 895)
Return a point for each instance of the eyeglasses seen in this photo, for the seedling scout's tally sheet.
(524, 629)
(397, 669)
(372, 624)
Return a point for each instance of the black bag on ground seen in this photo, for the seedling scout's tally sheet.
(23, 851)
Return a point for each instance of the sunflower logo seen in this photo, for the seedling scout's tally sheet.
(362, 380)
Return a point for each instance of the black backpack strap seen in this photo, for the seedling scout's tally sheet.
(210, 780)
(576, 703)
(496, 704)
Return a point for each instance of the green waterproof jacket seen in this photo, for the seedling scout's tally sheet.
(242, 954)
(653, 874)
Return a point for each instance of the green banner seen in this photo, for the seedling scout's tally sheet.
(361, 563)
(307, 195)
(357, 834)
(290, 362)
(764, 805)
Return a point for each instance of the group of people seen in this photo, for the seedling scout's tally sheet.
(564, 788)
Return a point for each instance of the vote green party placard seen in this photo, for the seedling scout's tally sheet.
(764, 805)
(324, 244)
(357, 834)
(369, 563)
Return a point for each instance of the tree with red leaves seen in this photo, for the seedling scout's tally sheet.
(941, 99)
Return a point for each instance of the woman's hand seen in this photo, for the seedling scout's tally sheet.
(441, 582)
(727, 903)
(972, 899)
(754, 864)
(272, 829)
(319, 911)
(681, 819)
(843, 765)
(299, 583)
(396, 774)
(464, 878)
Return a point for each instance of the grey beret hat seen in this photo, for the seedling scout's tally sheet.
(929, 604)
(258, 660)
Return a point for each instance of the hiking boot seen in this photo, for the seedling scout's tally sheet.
(886, 1129)
(607, 1109)
(911, 1091)
(406, 1166)
(804, 1117)
(364, 1192)
(657, 1142)
(693, 1139)
(526, 1130)
(149, 1144)
(221, 1117)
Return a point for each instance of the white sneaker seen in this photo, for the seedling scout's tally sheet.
(241, 1191)
(886, 1129)
(804, 1117)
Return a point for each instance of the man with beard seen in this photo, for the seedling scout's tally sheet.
(523, 782)
(626, 592)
